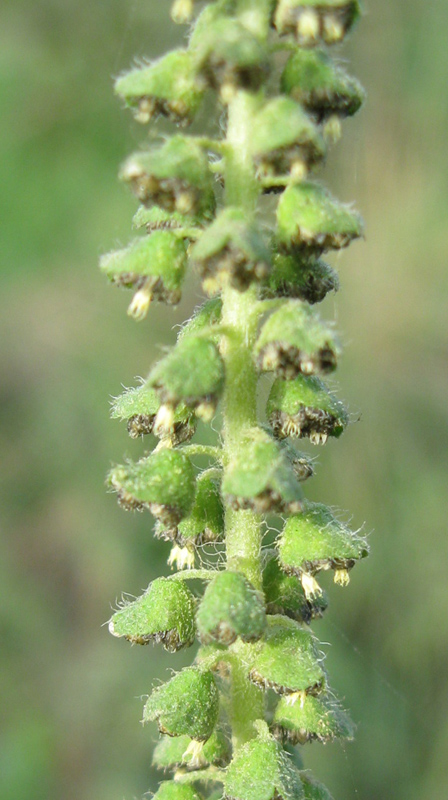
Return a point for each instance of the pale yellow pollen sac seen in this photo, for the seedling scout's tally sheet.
(181, 557)
(341, 577)
(332, 129)
(308, 26)
(307, 367)
(145, 110)
(333, 29)
(131, 171)
(291, 699)
(184, 202)
(228, 92)
(164, 420)
(310, 586)
(138, 308)
(318, 438)
(182, 11)
(195, 750)
(299, 170)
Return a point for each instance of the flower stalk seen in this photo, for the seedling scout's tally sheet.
(283, 100)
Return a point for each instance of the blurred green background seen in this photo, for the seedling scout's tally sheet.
(69, 725)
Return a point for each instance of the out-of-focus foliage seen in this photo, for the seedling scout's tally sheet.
(69, 692)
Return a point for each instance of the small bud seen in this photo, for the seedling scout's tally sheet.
(187, 705)
(285, 140)
(230, 608)
(232, 250)
(192, 373)
(284, 595)
(303, 407)
(316, 540)
(165, 614)
(168, 86)
(301, 278)
(261, 770)
(325, 90)
(163, 482)
(228, 56)
(153, 265)
(286, 659)
(310, 219)
(174, 175)
(182, 752)
(315, 719)
(314, 21)
(295, 340)
(170, 790)
(261, 476)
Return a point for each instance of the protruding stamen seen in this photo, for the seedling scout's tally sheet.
(308, 26)
(141, 301)
(145, 110)
(181, 557)
(164, 421)
(182, 11)
(310, 586)
(291, 699)
(195, 750)
(342, 577)
(318, 438)
(333, 30)
(332, 129)
(205, 411)
(298, 170)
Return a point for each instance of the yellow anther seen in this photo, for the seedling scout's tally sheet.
(308, 26)
(140, 303)
(333, 30)
(182, 11)
(299, 170)
(310, 586)
(332, 129)
(164, 421)
(291, 699)
(342, 577)
(195, 750)
(181, 557)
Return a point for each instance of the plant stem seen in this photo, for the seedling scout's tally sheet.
(240, 314)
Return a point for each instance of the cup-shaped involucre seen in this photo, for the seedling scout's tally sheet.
(193, 374)
(284, 594)
(309, 218)
(260, 770)
(316, 540)
(162, 482)
(300, 276)
(310, 719)
(174, 175)
(231, 250)
(165, 613)
(287, 659)
(167, 86)
(231, 607)
(261, 476)
(187, 705)
(304, 408)
(294, 340)
(324, 89)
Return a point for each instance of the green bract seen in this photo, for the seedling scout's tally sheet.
(139, 407)
(156, 218)
(284, 595)
(172, 753)
(313, 21)
(316, 540)
(294, 340)
(175, 175)
(167, 86)
(311, 718)
(304, 407)
(261, 476)
(187, 705)
(285, 139)
(165, 613)
(192, 373)
(261, 771)
(163, 482)
(230, 608)
(301, 277)
(308, 217)
(231, 250)
(287, 659)
(325, 90)
(228, 56)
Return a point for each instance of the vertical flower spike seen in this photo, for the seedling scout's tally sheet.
(216, 492)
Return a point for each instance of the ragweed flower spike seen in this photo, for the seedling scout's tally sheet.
(198, 209)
